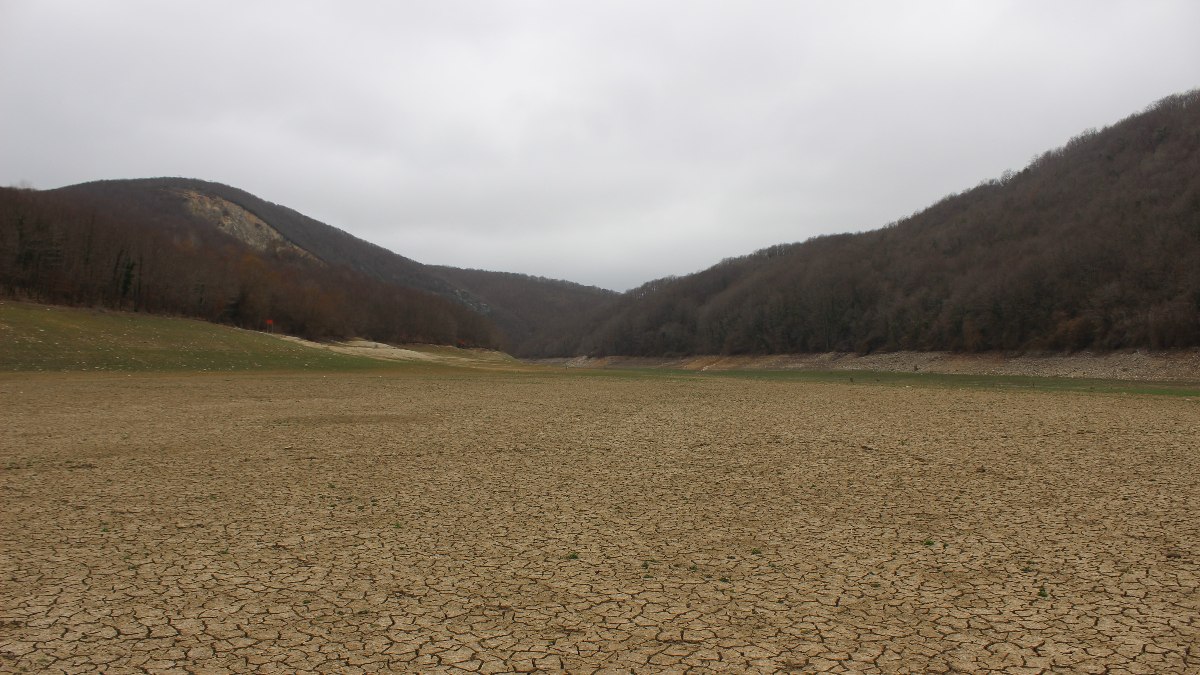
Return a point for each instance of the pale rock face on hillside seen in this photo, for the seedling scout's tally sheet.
(240, 223)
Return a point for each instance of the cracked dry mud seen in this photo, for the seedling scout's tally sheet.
(502, 522)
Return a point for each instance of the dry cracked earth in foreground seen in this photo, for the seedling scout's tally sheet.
(544, 522)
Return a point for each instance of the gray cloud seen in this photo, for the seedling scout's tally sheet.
(603, 142)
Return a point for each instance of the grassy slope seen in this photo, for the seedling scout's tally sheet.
(45, 338)
(42, 338)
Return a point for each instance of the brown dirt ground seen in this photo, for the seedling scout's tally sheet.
(490, 522)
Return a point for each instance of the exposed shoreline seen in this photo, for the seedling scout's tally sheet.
(1137, 365)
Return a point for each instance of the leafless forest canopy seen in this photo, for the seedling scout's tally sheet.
(1095, 245)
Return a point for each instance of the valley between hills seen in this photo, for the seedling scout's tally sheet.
(237, 439)
(1094, 246)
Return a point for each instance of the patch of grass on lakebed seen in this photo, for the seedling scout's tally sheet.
(45, 338)
(1010, 382)
(1023, 383)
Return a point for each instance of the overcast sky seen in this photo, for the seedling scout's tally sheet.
(607, 143)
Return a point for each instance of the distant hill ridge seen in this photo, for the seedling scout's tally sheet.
(207, 219)
(325, 242)
(1095, 245)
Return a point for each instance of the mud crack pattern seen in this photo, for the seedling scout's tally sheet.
(592, 523)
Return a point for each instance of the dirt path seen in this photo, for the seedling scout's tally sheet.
(491, 522)
(484, 359)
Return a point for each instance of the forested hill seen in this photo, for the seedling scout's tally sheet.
(159, 197)
(194, 248)
(1093, 245)
(535, 314)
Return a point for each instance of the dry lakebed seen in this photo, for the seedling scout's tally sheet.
(469, 521)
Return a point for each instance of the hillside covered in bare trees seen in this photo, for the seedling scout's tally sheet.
(193, 248)
(1094, 245)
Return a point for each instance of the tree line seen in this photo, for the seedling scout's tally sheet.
(535, 314)
(147, 254)
(1095, 245)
